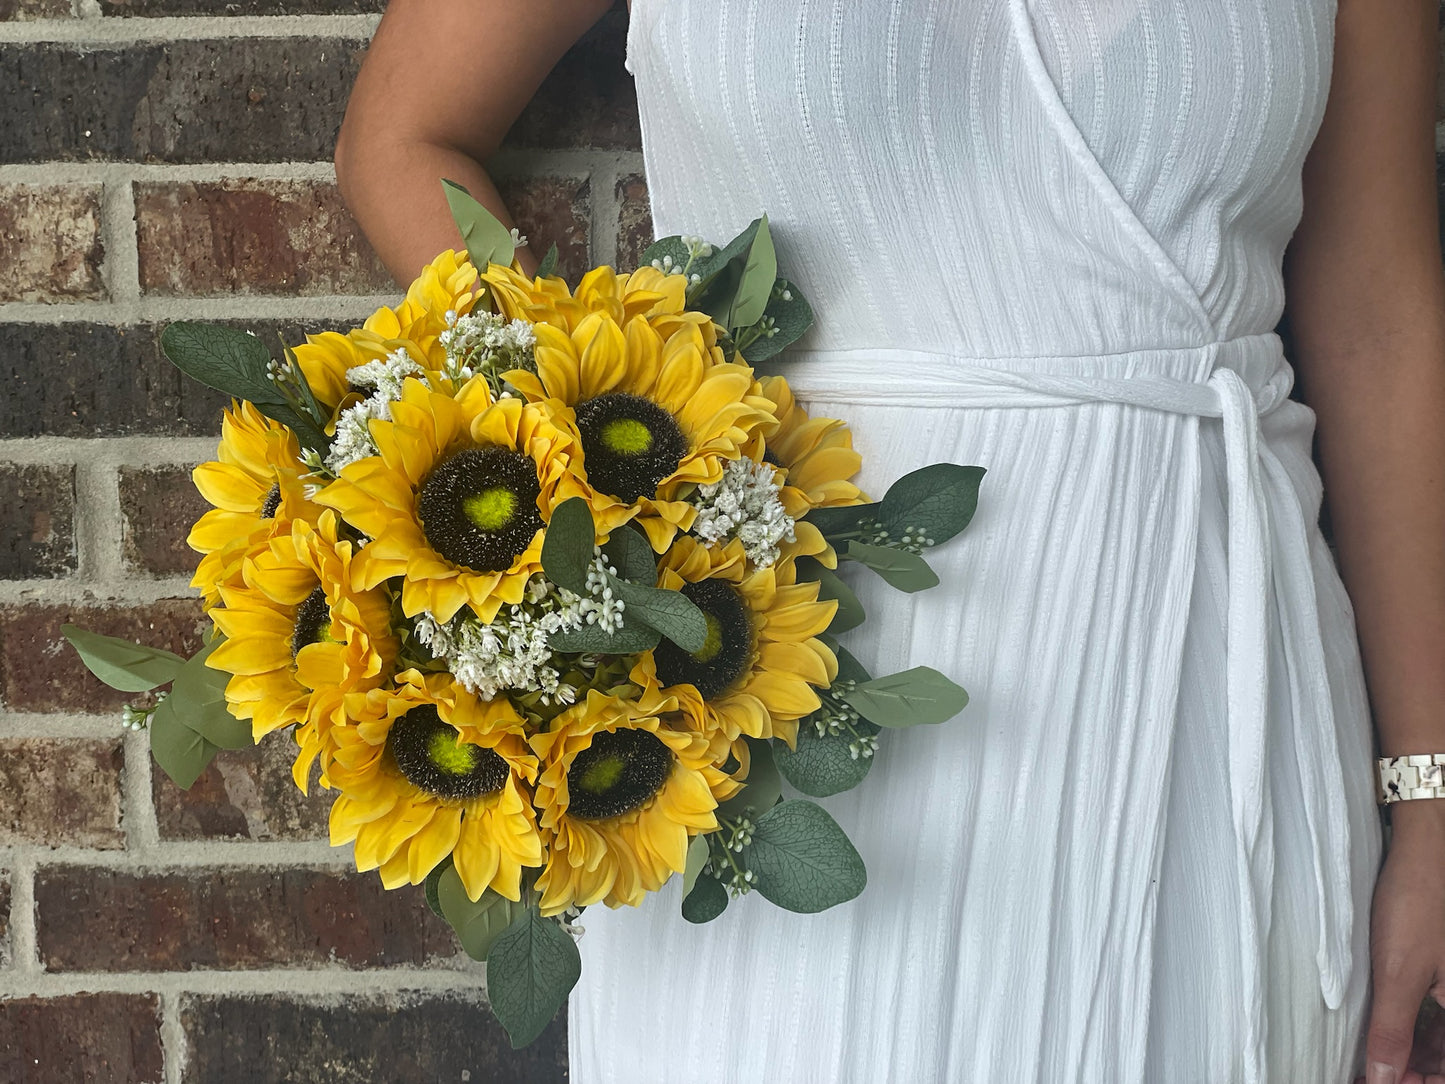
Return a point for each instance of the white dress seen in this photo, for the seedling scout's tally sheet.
(1043, 236)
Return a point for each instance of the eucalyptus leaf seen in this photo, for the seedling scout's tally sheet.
(802, 860)
(901, 569)
(823, 765)
(755, 286)
(939, 500)
(487, 240)
(530, 970)
(909, 698)
(831, 586)
(307, 431)
(567, 545)
(121, 664)
(179, 751)
(429, 886)
(548, 267)
(841, 520)
(224, 358)
(705, 902)
(791, 317)
(697, 854)
(198, 697)
(849, 668)
(631, 554)
(669, 612)
(478, 923)
(658, 252)
(715, 294)
(628, 640)
(763, 787)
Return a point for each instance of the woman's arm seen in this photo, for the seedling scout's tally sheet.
(1367, 313)
(442, 83)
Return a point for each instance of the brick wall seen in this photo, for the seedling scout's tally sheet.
(160, 159)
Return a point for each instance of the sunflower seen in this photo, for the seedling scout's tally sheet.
(456, 501)
(757, 672)
(428, 770)
(646, 294)
(256, 488)
(620, 793)
(298, 637)
(815, 454)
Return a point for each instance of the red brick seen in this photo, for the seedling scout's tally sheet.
(158, 506)
(39, 671)
(37, 532)
(553, 210)
(34, 9)
(240, 7)
(50, 246)
(634, 221)
(91, 919)
(244, 794)
(252, 237)
(56, 791)
(279, 1039)
(95, 1038)
(588, 100)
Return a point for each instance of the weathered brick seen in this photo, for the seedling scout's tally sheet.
(240, 7)
(634, 220)
(50, 246)
(90, 919)
(275, 1039)
(158, 506)
(6, 954)
(252, 237)
(244, 794)
(34, 9)
(40, 671)
(96, 1038)
(553, 210)
(56, 791)
(37, 532)
(589, 99)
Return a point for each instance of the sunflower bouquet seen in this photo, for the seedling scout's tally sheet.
(543, 583)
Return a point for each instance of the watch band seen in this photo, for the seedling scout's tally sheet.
(1403, 778)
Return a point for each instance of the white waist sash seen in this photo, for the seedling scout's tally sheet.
(1270, 573)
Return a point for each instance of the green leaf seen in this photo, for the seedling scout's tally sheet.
(755, 287)
(842, 519)
(764, 786)
(433, 900)
(631, 554)
(909, 698)
(567, 545)
(802, 860)
(530, 970)
(669, 612)
(198, 697)
(487, 240)
(938, 500)
(697, 853)
(548, 266)
(657, 253)
(705, 902)
(791, 316)
(181, 753)
(307, 431)
(121, 664)
(589, 639)
(478, 923)
(821, 766)
(903, 570)
(831, 586)
(224, 358)
(716, 293)
(849, 668)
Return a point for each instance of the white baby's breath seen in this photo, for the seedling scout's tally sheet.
(745, 506)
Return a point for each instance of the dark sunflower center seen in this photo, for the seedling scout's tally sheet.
(617, 773)
(271, 503)
(727, 652)
(478, 509)
(630, 444)
(431, 754)
(313, 621)
(770, 456)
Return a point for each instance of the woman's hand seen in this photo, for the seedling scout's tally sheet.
(1407, 950)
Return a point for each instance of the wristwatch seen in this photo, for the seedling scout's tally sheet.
(1403, 778)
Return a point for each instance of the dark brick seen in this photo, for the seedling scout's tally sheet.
(244, 794)
(40, 671)
(91, 919)
(56, 791)
(240, 7)
(34, 9)
(158, 506)
(96, 1038)
(634, 221)
(589, 99)
(240, 99)
(273, 1039)
(50, 247)
(5, 950)
(37, 532)
(252, 237)
(553, 210)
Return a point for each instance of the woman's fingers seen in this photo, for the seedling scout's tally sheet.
(1400, 985)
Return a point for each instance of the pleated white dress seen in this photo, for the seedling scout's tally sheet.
(1043, 236)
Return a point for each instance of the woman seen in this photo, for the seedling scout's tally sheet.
(1046, 236)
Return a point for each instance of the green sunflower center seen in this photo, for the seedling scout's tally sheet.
(478, 509)
(726, 653)
(272, 502)
(431, 754)
(619, 772)
(630, 444)
(313, 622)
